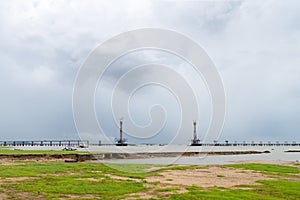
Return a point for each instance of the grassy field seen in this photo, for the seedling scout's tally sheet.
(286, 185)
(60, 180)
(29, 179)
(10, 151)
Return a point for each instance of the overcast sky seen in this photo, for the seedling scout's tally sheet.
(254, 44)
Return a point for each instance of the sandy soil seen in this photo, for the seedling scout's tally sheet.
(3, 196)
(19, 179)
(81, 196)
(210, 177)
(122, 178)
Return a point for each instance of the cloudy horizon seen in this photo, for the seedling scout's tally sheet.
(255, 46)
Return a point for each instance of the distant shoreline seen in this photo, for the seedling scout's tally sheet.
(104, 156)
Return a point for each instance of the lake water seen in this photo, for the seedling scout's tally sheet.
(213, 160)
(277, 153)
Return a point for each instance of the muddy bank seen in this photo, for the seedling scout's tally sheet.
(105, 156)
(293, 151)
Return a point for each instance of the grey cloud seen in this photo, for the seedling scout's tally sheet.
(255, 45)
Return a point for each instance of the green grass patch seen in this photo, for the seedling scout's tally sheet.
(142, 170)
(220, 194)
(180, 167)
(285, 189)
(267, 190)
(168, 189)
(133, 168)
(268, 168)
(55, 179)
(139, 171)
(35, 169)
(6, 151)
(53, 186)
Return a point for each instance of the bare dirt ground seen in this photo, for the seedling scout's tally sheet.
(122, 178)
(213, 176)
(3, 196)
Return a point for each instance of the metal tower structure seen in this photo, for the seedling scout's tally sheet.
(195, 140)
(121, 141)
